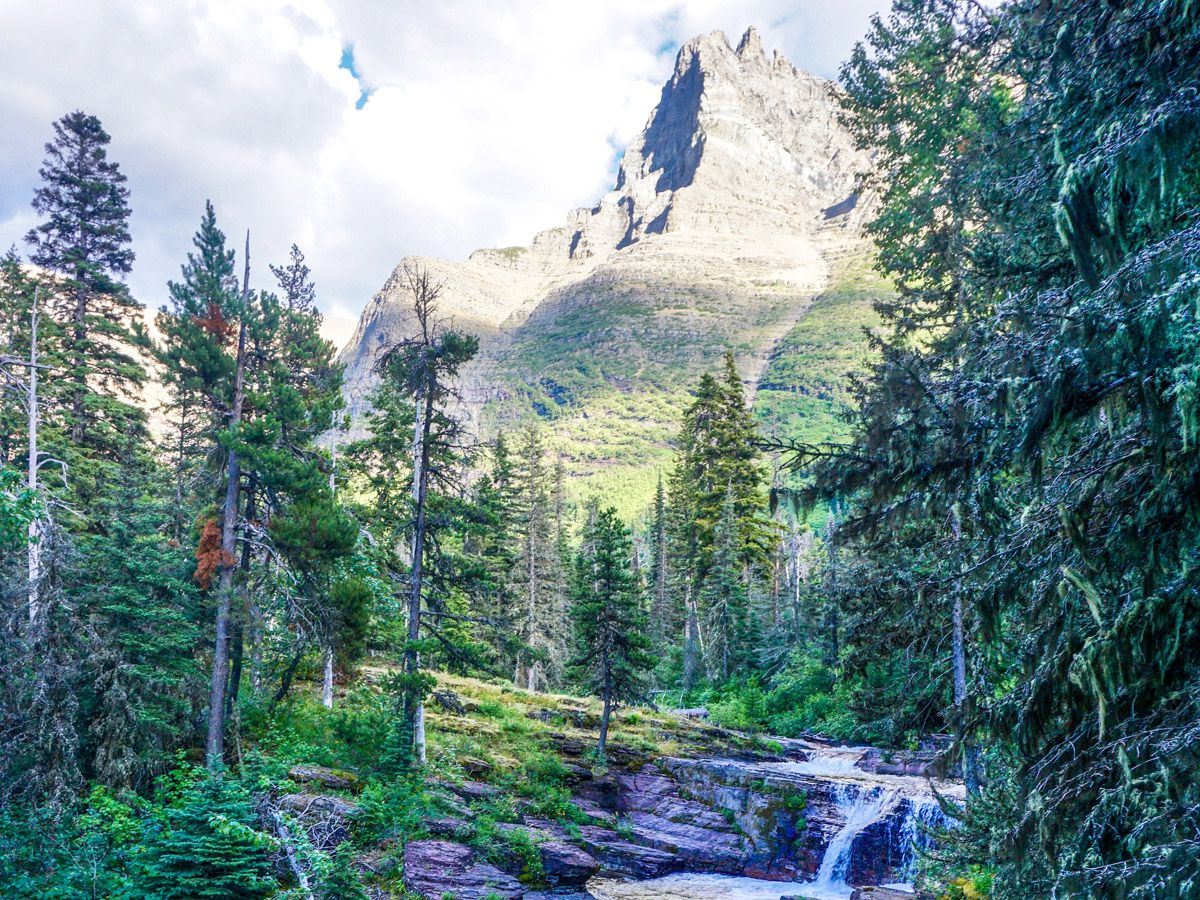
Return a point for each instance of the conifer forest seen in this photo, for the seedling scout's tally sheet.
(260, 642)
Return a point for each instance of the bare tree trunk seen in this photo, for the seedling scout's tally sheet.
(959, 653)
(413, 706)
(79, 333)
(215, 744)
(289, 851)
(692, 650)
(35, 545)
(327, 679)
(239, 630)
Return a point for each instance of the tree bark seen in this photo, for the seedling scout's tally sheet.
(215, 744)
(327, 679)
(413, 707)
(604, 717)
(34, 535)
(959, 653)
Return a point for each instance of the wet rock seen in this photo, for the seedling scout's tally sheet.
(623, 858)
(334, 779)
(433, 869)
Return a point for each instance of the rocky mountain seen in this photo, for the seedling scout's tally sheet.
(733, 215)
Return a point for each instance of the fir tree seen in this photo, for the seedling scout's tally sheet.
(209, 846)
(533, 579)
(610, 629)
(84, 239)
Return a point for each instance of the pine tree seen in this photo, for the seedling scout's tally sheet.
(533, 579)
(84, 240)
(1036, 394)
(610, 629)
(143, 615)
(208, 847)
(664, 624)
(724, 599)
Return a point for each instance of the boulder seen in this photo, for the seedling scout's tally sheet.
(565, 864)
(621, 858)
(434, 869)
(446, 826)
(876, 892)
(334, 779)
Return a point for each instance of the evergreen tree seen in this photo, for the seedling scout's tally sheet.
(534, 577)
(1032, 416)
(84, 240)
(610, 629)
(135, 592)
(208, 846)
(664, 624)
(724, 600)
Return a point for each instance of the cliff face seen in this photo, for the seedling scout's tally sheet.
(720, 230)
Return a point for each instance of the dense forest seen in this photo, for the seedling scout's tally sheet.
(196, 588)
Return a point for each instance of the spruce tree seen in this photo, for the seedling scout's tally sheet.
(611, 656)
(84, 240)
(208, 846)
(533, 579)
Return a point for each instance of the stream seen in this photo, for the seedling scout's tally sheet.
(862, 798)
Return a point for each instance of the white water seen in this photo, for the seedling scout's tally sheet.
(862, 807)
(862, 798)
(695, 887)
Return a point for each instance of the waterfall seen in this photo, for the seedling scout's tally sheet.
(862, 806)
(920, 816)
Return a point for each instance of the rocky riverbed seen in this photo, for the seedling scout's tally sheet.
(802, 819)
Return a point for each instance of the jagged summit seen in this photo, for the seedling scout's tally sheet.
(712, 238)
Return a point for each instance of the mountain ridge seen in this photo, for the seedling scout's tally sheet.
(720, 231)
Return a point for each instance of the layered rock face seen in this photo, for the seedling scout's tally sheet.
(795, 817)
(726, 213)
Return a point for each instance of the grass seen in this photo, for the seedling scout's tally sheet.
(610, 367)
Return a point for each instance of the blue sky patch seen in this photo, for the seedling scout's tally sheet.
(348, 63)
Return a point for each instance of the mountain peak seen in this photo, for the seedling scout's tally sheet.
(751, 43)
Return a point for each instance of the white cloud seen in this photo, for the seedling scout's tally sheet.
(486, 121)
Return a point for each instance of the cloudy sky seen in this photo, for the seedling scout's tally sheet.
(362, 130)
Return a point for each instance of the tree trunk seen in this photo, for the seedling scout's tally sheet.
(959, 653)
(35, 545)
(413, 707)
(327, 679)
(691, 644)
(235, 675)
(285, 682)
(254, 615)
(78, 360)
(604, 717)
(215, 744)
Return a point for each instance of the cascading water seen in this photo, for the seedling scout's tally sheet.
(865, 799)
(862, 806)
(900, 805)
